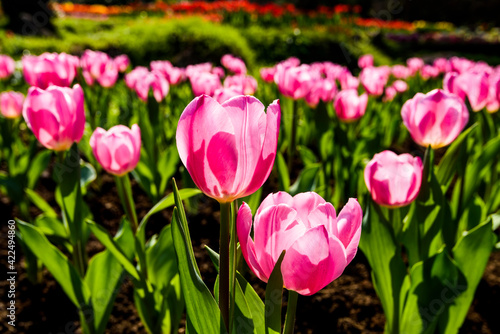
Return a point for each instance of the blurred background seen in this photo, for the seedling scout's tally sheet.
(259, 31)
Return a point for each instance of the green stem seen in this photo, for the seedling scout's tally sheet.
(125, 194)
(293, 135)
(75, 236)
(224, 285)
(290, 312)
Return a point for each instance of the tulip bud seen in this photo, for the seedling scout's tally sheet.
(349, 106)
(11, 104)
(393, 180)
(55, 115)
(117, 150)
(229, 148)
(435, 118)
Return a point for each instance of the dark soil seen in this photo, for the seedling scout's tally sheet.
(348, 305)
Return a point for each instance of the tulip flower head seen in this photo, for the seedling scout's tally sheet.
(365, 61)
(204, 83)
(318, 243)
(55, 115)
(229, 148)
(435, 118)
(393, 180)
(117, 150)
(349, 106)
(234, 64)
(122, 62)
(11, 104)
(374, 79)
(7, 66)
(49, 69)
(98, 66)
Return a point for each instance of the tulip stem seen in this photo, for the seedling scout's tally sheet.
(125, 193)
(290, 312)
(293, 136)
(225, 219)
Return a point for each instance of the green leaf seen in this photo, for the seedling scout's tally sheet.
(307, 156)
(167, 166)
(423, 227)
(383, 252)
(143, 175)
(450, 162)
(40, 203)
(475, 171)
(274, 297)
(87, 175)
(68, 178)
(39, 163)
(161, 260)
(471, 254)
(51, 226)
(104, 277)
(307, 179)
(202, 311)
(164, 203)
(58, 264)
(283, 176)
(105, 238)
(429, 295)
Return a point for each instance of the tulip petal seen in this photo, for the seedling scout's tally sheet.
(243, 229)
(313, 261)
(349, 227)
(275, 230)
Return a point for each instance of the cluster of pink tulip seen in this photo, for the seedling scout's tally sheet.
(228, 143)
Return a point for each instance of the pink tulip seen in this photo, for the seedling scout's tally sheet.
(401, 72)
(11, 104)
(245, 84)
(400, 86)
(365, 61)
(474, 85)
(204, 83)
(428, 72)
(442, 65)
(347, 80)
(435, 118)
(374, 79)
(267, 73)
(415, 64)
(176, 75)
(152, 80)
(122, 63)
(393, 180)
(229, 148)
(390, 94)
(349, 106)
(322, 89)
(318, 243)
(295, 82)
(135, 75)
(98, 66)
(117, 150)
(223, 94)
(7, 66)
(219, 71)
(198, 68)
(49, 69)
(234, 64)
(55, 115)
(493, 93)
(460, 65)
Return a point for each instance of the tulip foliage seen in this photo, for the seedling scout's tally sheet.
(308, 163)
